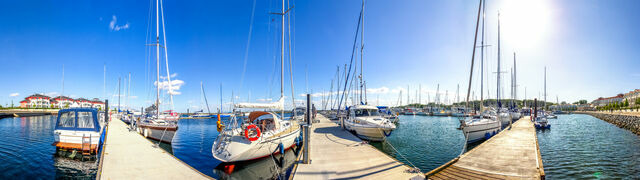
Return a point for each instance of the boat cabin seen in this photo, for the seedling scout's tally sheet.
(78, 129)
(264, 120)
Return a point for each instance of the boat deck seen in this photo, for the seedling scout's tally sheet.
(511, 154)
(128, 155)
(338, 154)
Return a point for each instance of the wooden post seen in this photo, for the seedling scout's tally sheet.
(307, 128)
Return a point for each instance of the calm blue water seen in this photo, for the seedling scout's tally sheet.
(426, 141)
(584, 147)
(26, 152)
(576, 147)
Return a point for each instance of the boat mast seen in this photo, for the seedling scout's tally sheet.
(157, 59)
(498, 73)
(361, 52)
(282, 62)
(482, 59)
(545, 88)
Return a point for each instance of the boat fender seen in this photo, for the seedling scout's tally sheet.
(281, 147)
(487, 135)
(246, 132)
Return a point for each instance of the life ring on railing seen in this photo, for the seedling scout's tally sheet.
(246, 132)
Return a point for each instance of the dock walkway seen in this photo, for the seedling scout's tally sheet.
(511, 154)
(128, 155)
(338, 154)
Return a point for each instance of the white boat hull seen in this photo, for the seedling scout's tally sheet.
(156, 133)
(241, 149)
(481, 131)
(75, 137)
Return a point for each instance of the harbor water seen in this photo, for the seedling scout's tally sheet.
(27, 153)
(576, 147)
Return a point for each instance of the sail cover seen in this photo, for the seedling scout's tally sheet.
(275, 105)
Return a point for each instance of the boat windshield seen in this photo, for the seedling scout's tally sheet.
(67, 119)
(85, 120)
(366, 112)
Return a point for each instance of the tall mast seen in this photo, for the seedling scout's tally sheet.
(545, 88)
(498, 78)
(515, 79)
(118, 94)
(104, 83)
(282, 61)
(126, 101)
(482, 60)
(158, 58)
(475, 38)
(361, 52)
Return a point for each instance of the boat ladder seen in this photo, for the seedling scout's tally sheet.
(86, 146)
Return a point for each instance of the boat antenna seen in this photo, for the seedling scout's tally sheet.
(473, 55)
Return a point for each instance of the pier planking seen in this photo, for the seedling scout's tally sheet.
(338, 154)
(511, 154)
(128, 155)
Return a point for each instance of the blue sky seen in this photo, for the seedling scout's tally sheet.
(589, 47)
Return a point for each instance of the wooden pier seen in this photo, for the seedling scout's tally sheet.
(338, 154)
(511, 154)
(128, 155)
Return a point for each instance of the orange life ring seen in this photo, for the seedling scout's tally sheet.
(246, 132)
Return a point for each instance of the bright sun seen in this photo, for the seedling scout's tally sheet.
(525, 23)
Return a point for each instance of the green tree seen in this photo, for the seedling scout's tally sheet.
(626, 103)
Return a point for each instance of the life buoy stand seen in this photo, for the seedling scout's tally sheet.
(253, 138)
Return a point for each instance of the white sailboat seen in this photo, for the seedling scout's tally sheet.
(485, 125)
(365, 120)
(262, 133)
(163, 125)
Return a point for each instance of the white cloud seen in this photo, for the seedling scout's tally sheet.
(114, 27)
(14, 94)
(176, 84)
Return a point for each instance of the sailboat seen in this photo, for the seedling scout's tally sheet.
(262, 133)
(161, 126)
(484, 125)
(365, 120)
(514, 112)
(502, 113)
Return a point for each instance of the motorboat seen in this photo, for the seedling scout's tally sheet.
(78, 130)
(259, 135)
(541, 122)
(367, 123)
(169, 115)
(388, 114)
(551, 116)
(480, 127)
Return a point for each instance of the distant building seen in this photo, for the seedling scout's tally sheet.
(63, 102)
(42, 101)
(631, 96)
(608, 100)
(36, 101)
